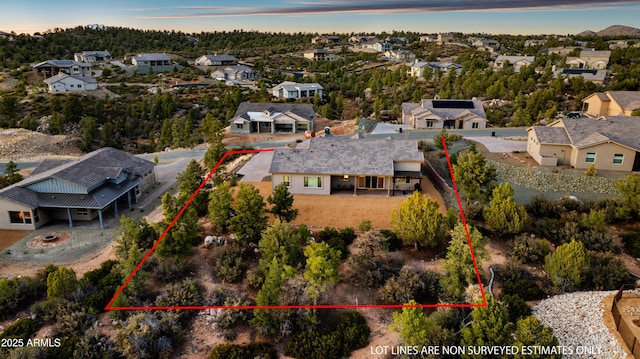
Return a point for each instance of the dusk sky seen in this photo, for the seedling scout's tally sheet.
(426, 16)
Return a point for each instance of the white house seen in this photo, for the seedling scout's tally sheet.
(514, 61)
(289, 89)
(319, 55)
(590, 60)
(92, 56)
(63, 83)
(399, 55)
(417, 67)
(239, 72)
(449, 114)
(216, 60)
(256, 117)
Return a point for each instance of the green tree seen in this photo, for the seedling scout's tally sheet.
(418, 221)
(266, 320)
(490, 327)
(61, 283)
(412, 325)
(474, 175)
(188, 182)
(180, 239)
(131, 231)
(250, 219)
(126, 266)
(56, 124)
(321, 269)
(566, 265)
(220, 210)
(458, 265)
(629, 189)
(503, 214)
(279, 241)
(530, 333)
(89, 127)
(282, 203)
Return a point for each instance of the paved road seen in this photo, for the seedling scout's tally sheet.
(428, 134)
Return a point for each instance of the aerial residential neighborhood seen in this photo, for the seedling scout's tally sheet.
(173, 185)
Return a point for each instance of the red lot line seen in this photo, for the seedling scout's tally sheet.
(203, 307)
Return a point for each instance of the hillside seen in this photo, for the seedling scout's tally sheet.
(614, 30)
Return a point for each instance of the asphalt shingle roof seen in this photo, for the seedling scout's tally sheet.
(628, 100)
(551, 135)
(337, 156)
(585, 132)
(303, 110)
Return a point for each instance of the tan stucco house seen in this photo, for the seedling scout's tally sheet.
(326, 165)
(610, 143)
(448, 114)
(611, 103)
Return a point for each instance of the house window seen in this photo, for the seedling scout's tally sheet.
(137, 190)
(475, 125)
(313, 182)
(239, 126)
(402, 179)
(16, 217)
(82, 212)
(371, 182)
(27, 217)
(429, 124)
(591, 157)
(617, 158)
(286, 180)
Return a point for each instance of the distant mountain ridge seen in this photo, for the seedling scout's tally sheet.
(614, 30)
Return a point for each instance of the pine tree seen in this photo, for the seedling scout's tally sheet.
(412, 325)
(474, 175)
(566, 265)
(250, 219)
(220, 210)
(418, 221)
(503, 214)
(282, 203)
(458, 265)
(490, 327)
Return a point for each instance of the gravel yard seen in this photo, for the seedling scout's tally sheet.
(577, 322)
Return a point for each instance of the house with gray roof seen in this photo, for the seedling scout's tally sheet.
(590, 59)
(216, 60)
(153, 62)
(63, 83)
(418, 67)
(51, 68)
(326, 165)
(611, 103)
(92, 56)
(235, 73)
(610, 143)
(516, 62)
(290, 89)
(97, 184)
(447, 114)
(588, 75)
(261, 117)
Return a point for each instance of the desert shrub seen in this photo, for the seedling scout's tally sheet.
(249, 351)
(365, 271)
(422, 287)
(527, 289)
(230, 317)
(170, 270)
(186, 292)
(530, 250)
(352, 331)
(313, 345)
(227, 263)
(606, 272)
(511, 271)
(570, 204)
(474, 211)
(339, 240)
(23, 328)
(365, 225)
(392, 242)
(66, 348)
(550, 229)
(515, 306)
(612, 208)
(150, 335)
(19, 293)
(597, 241)
(631, 243)
(542, 207)
(254, 278)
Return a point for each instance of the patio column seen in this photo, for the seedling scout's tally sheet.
(355, 185)
(69, 216)
(100, 216)
(273, 127)
(389, 184)
(115, 208)
(129, 198)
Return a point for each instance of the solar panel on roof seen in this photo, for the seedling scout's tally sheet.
(578, 71)
(452, 104)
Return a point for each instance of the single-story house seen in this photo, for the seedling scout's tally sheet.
(588, 75)
(400, 55)
(325, 39)
(319, 55)
(257, 117)
(238, 72)
(289, 89)
(611, 103)
(610, 143)
(63, 83)
(76, 190)
(377, 46)
(590, 59)
(417, 67)
(326, 165)
(514, 61)
(448, 114)
(444, 38)
(53, 67)
(534, 42)
(216, 60)
(92, 56)
(152, 62)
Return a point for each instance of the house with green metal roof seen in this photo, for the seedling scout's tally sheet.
(101, 182)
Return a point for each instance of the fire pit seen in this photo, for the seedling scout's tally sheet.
(49, 238)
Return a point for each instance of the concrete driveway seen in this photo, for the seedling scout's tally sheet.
(494, 144)
(257, 168)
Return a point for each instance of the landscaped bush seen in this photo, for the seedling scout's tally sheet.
(249, 351)
(631, 243)
(530, 250)
(392, 242)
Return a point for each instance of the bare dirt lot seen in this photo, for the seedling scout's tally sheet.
(344, 210)
(9, 237)
(20, 144)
